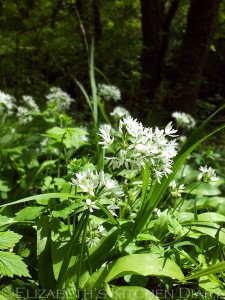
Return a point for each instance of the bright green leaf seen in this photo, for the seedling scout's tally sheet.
(8, 239)
(12, 264)
(140, 264)
(29, 213)
(217, 268)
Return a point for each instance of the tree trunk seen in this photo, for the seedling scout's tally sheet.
(151, 27)
(156, 21)
(188, 73)
(97, 22)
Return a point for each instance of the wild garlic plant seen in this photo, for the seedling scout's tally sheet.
(108, 93)
(124, 212)
(99, 188)
(136, 145)
(184, 120)
(58, 100)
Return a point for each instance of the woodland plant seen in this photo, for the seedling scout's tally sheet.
(118, 216)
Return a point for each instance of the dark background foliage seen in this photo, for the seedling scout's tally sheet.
(164, 55)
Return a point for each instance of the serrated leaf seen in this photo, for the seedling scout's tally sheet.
(173, 224)
(4, 220)
(74, 137)
(12, 264)
(62, 210)
(70, 137)
(8, 239)
(29, 213)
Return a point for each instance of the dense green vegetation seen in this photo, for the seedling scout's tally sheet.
(94, 203)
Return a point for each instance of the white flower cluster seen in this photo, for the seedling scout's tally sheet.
(207, 174)
(100, 188)
(58, 100)
(108, 92)
(7, 103)
(120, 112)
(176, 190)
(105, 133)
(157, 211)
(93, 236)
(30, 103)
(184, 120)
(23, 115)
(139, 145)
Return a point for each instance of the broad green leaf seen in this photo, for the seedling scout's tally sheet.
(99, 253)
(29, 213)
(217, 268)
(129, 292)
(145, 178)
(43, 196)
(12, 264)
(44, 259)
(212, 229)
(140, 264)
(60, 237)
(204, 188)
(212, 287)
(185, 217)
(8, 239)
(70, 249)
(211, 217)
(204, 217)
(203, 203)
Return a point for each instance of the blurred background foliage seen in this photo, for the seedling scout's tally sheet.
(164, 55)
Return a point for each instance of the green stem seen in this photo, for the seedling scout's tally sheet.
(82, 249)
(68, 223)
(74, 222)
(185, 197)
(59, 157)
